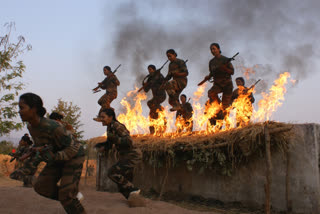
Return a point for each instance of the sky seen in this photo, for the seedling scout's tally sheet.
(73, 40)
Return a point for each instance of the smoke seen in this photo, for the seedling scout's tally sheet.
(271, 36)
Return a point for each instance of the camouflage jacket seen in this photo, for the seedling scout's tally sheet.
(178, 66)
(154, 82)
(110, 84)
(52, 133)
(186, 111)
(216, 72)
(119, 135)
(236, 93)
(21, 150)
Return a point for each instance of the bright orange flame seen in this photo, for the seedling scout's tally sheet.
(273, 100)
(206, 118)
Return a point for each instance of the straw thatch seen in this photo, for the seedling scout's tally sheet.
(223, 151)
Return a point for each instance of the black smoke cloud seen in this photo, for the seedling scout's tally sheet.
(275, 35)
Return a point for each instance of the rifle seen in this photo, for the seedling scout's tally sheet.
(95, 90)
(36, 151)
(209, 77)
(14, 156)
(254, 84)
(158, 70)
(166, 80)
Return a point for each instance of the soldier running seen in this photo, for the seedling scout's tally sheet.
(110, 84)
(122, 172)
(64, 159)
(24, 146)
(154, 81)
(246, 98)
(178, 72)
(184, 115)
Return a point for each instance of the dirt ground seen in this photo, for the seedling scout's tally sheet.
(15, 199)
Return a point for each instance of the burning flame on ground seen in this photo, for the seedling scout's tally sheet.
(207, 118)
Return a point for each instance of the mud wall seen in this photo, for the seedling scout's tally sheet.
(246, 185)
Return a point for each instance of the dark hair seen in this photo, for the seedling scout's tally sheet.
(171, 51)
(183, 95)
(55, 116)
(110, 112)
(34, 101)
(107, 67)
(26, 139)
(152, 66)
(241, 79)
(217, 45)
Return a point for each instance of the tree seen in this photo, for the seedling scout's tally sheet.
(6, 147)
(71, 115)
(11, 69)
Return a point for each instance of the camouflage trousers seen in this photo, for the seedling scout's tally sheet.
(122, 172)
(68, 173)
(174, 89)
(106, 100)
(226, 90)
(26, 172)
(155, 102)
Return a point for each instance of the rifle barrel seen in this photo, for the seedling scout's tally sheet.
(115, 70)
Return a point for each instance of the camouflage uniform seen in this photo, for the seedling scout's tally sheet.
(27, 179)
(184, 115)
(65, 167)
(243, 93)
(175, 86)
(110, 84)
(154, 82)
(122, 172)
(222, 81)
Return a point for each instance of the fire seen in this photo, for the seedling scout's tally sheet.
(273, 100)
(207, 118)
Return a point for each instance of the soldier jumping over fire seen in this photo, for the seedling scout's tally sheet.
(154, 80)
(110, 84)
(178, 72)
(221, 70)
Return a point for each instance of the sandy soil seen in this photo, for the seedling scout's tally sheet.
(16, 199)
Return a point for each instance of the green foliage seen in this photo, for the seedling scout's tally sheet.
(11, 69)
(6, 147)
(71, 114)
